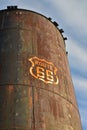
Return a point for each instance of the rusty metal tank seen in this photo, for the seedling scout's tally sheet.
(36, 90)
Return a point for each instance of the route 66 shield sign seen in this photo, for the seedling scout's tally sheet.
(43, 70)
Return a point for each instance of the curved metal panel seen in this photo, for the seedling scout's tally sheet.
(36, 91)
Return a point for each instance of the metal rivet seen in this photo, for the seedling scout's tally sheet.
(16, 114)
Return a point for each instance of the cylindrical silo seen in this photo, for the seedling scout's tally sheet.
(36, 90)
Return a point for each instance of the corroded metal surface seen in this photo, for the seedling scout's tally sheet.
(35, 95)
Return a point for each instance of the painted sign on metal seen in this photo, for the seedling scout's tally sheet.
(43, 70)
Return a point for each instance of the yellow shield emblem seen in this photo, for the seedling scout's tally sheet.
(43, 70)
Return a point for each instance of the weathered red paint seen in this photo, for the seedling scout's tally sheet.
(27, 103)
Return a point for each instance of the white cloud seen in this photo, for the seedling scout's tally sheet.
(83, 113)
(78, 61)
(77, 55)
(73, 13)
(80, 84)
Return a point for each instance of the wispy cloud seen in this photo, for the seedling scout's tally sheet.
(77, 56)
(80, 84)
(73, 13)
(76, 50)
(78, 62)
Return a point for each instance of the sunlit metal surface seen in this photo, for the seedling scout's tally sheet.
(36, 90)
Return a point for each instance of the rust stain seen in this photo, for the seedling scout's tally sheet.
(10, 89)
(30, 98)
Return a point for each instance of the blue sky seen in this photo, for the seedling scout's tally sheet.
(72, 17)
